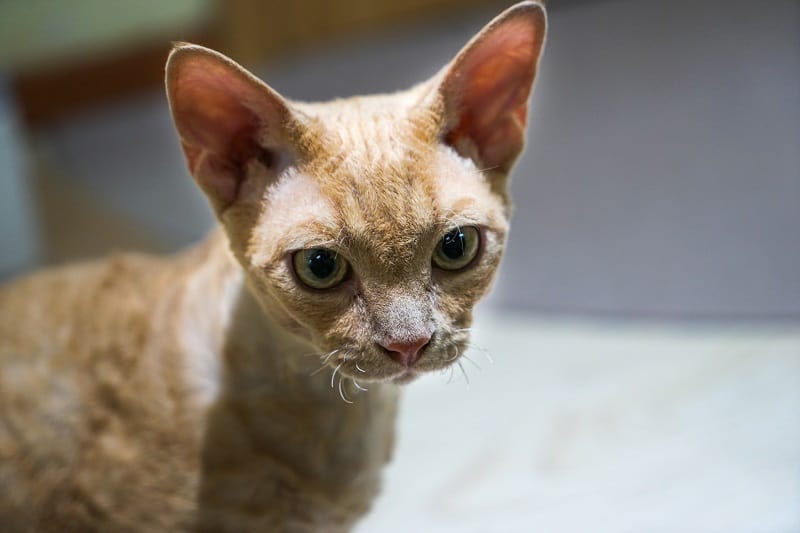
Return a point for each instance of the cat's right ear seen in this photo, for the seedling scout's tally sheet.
(225, 118)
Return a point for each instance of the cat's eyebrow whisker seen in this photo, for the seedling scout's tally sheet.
(335, 371)
(359, 387)
(341, 391)
(339, 241)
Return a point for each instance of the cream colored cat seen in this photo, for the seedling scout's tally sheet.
(186, 394)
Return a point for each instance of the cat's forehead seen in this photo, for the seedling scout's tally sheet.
(380, 183)
(373, 132)
(373, 162)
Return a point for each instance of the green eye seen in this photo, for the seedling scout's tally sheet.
(319, 268)
(457, 248)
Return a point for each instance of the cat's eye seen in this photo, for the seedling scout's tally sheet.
(319, 268)
(457, 248)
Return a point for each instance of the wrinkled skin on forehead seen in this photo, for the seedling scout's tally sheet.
(381, 195)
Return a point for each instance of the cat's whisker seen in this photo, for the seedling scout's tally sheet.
(359, 387)
(454, 357)
(320, 369)
(463, 329)
(341, 391)
(321, 355)
(335, 371)
(327, 357)
(483, 351)
(452, 373)
(465, 356)
(360, 369)
(463, 371)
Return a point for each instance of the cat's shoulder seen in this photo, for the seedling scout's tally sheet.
(75, 279)
(99, 291)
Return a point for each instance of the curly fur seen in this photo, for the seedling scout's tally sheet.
(211, 391)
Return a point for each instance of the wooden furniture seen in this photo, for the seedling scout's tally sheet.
(64, 57)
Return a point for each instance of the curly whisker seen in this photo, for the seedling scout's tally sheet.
(454, 357)
(327, 357)
(359, 387)
(331, 354)
(335, 371)
(341, 391)
(360, 369)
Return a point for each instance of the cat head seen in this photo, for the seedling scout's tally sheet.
(369, 226)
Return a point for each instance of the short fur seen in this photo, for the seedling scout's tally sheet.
(186, 394)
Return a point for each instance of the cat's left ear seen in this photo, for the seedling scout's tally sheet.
(484, 91)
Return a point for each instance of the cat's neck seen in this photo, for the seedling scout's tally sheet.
(264, 395)
(232, 343)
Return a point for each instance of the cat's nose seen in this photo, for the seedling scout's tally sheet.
(406, 352)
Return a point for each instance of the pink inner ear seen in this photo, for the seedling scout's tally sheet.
(220, 112)
(210, 117)
(491, 83)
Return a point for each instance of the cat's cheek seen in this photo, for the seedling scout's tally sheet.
(264, 293)
(458, 294)
(318, 315)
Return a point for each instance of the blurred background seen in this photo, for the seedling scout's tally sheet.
(662, 177)
(657, 224)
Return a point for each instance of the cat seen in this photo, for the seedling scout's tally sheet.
(251, 382)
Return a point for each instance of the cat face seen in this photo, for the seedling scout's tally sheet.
(378, 249)
(369, 226)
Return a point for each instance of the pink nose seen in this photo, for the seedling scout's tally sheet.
(406, 352)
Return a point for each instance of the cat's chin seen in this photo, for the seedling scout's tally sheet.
(406, 377)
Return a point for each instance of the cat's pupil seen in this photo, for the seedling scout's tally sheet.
(321, 263)
(453, 244)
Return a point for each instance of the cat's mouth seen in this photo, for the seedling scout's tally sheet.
(372, 366)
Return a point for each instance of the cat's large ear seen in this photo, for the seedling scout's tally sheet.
(485, 89)
(226, 118)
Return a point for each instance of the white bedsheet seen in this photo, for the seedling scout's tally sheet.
(598, 427)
